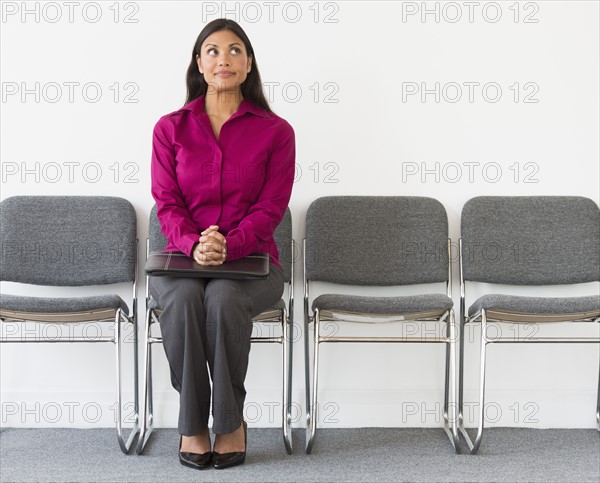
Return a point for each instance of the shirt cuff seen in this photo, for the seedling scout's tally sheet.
(186, 243)
(236, 248)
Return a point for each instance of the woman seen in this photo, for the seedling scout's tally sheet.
(222, 174)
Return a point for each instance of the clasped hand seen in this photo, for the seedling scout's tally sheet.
(211, 248)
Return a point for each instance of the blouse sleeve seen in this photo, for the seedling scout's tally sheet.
(266, 213)
(175, 220)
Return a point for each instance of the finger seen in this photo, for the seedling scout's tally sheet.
(205, 263)
(209, 239)
(212, 243)
(210, 229)
(210, 247)
(212, 255)
(209, 258)
(210, 264)
(215, 235)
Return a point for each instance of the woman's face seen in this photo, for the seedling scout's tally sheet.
(224, 61)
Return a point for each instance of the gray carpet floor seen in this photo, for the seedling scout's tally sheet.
(365, 454)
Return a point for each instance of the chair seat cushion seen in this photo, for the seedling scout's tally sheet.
(48, 309)
(272, 314)
(560, 307)
(411, 304)
(278, 306)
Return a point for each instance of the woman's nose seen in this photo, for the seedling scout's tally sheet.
(224, 59)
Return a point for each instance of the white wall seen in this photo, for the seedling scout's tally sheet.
(344, 75)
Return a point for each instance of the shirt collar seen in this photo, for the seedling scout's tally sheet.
(197, 107)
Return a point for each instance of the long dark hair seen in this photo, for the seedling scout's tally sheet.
(251, 88)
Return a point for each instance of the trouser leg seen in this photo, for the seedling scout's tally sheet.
(230, 306)
(182, 324)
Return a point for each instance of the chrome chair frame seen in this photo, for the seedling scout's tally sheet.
(284, 316)
(484, 317)
(119, 318)
(450, 371)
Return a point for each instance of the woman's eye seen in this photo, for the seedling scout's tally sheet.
(212, 51)
(235, 50)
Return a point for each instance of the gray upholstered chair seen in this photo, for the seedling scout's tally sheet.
(68, 241)
(377, 241)
(281, 314)
(526, 240)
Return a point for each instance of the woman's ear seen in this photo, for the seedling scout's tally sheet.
(249, 63)
(199, 64)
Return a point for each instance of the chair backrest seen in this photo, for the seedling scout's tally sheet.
(68, 240)
(531, 240)
(376, 240)
(283, 239)
(157, 240)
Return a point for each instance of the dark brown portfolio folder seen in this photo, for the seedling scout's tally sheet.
(177, 264)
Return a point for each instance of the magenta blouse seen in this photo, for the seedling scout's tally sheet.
(241, 181)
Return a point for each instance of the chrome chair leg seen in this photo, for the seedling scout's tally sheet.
(150, 425)
(461, 365)
(287, 334)
(475, 446)
(450, 384)
(598, 405)
(124, 445)
(312, 424)
(447, 376)
(308, 417)
(147, 423)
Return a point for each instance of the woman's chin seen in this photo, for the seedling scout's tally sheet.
(223, 88)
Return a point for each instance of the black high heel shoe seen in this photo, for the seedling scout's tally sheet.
(227, 460)
(194, 460)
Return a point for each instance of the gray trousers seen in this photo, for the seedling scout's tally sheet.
(206, 325)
